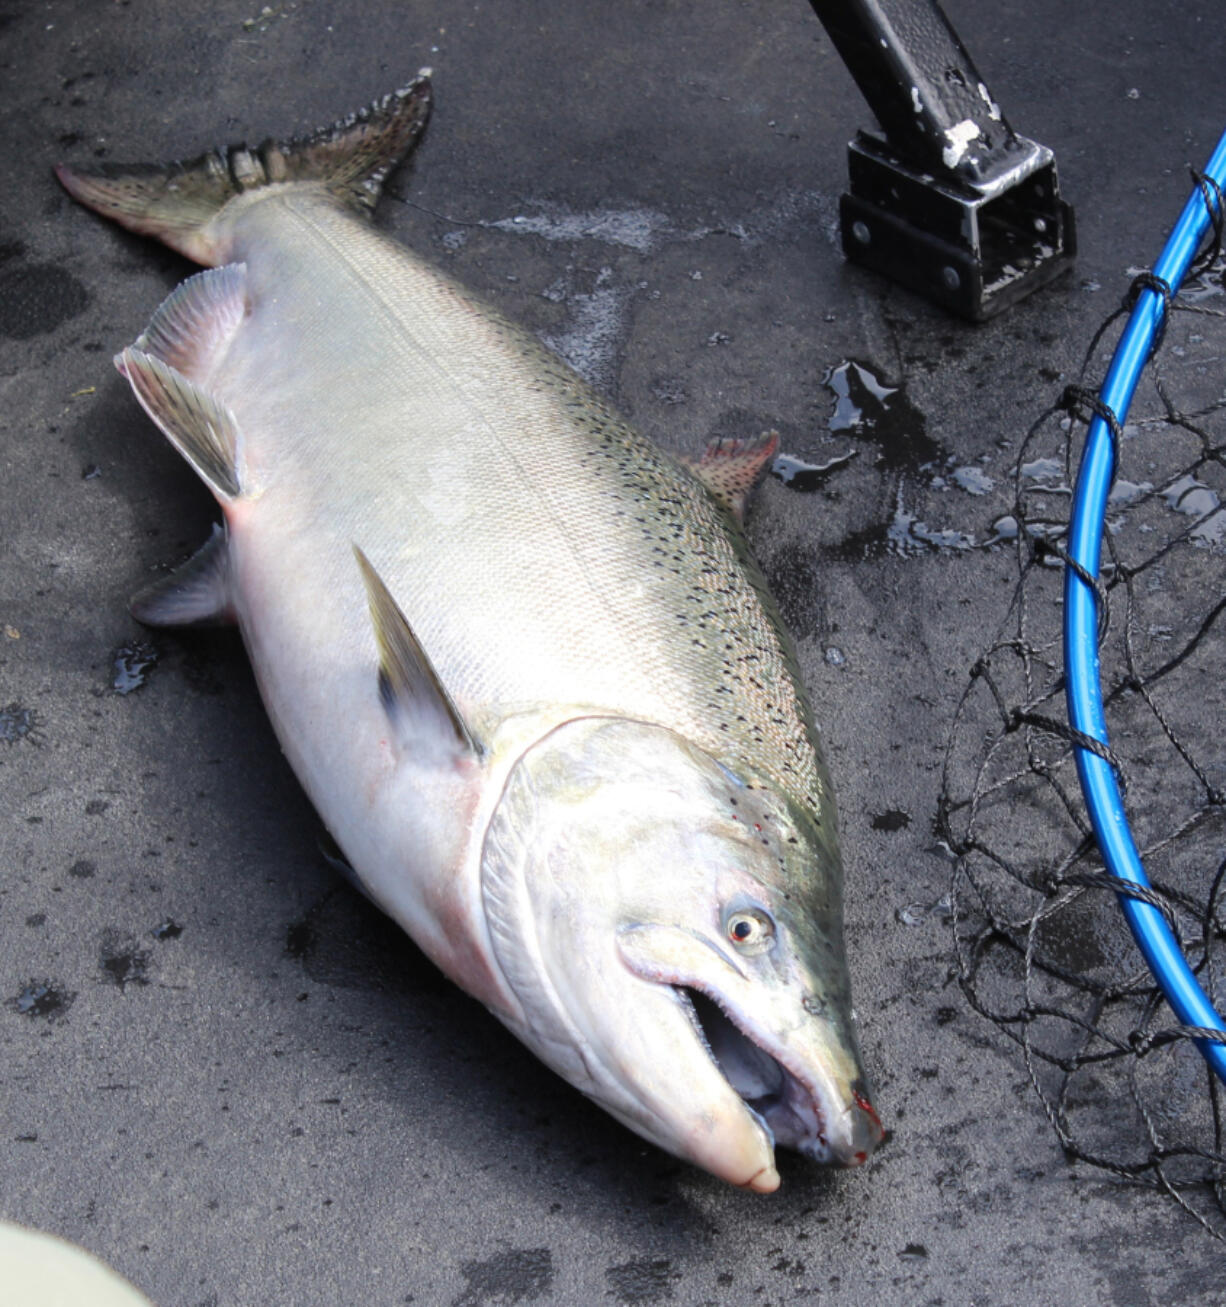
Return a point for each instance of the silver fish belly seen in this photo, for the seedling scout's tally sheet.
(520, 659)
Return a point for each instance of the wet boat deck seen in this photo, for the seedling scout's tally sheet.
(219, 1068)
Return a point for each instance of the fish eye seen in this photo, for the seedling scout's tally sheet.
(751, 930)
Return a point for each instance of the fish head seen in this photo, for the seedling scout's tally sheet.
(673, 936)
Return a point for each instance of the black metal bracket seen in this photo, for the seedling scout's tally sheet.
(952, 203)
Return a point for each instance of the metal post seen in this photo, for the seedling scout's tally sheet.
(950, 201)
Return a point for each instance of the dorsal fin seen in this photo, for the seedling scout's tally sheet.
(730, 469)
(415, 699)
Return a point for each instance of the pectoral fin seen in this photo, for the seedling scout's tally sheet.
(198, 593)
(416, 700)
(199, 426)
(730, 469)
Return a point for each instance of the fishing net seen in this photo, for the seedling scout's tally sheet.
(1042, 948)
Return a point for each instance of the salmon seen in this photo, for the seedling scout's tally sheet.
(520, 658)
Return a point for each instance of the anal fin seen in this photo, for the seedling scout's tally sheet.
(198, 593)
(199, 426)
(730, 469)
(415, 698)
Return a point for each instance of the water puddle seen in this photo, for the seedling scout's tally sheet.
(908, 535)
(42, 998)
(848, 407)
(891, 820)
(1205, 286)
(16, 723)
(345, 941)
(883, 414)
(1124, 493)
(974, 480)
(1047, 474)
(1193, 498)
(121, 962)
(1004, 528)
(796, 474)
(132, 664)
(914, 914)
(1186, 495)
(597, 309)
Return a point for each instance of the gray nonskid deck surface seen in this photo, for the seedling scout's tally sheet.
(219, 1069)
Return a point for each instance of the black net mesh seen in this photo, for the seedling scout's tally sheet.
(1043, 950)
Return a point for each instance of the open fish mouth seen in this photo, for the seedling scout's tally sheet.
(798, 1080)
(782, 1099)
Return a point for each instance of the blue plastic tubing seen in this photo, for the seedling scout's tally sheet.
(1085, 705)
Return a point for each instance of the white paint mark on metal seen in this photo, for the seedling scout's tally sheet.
(993, 107)
(959, 136)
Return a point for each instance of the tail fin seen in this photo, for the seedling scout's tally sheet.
(177, 203)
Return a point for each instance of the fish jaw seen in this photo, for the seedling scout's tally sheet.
(609, 871)
(635, 1049)
(797, 1072)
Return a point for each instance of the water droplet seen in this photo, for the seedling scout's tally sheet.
(299, 939)
(1004, 528)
